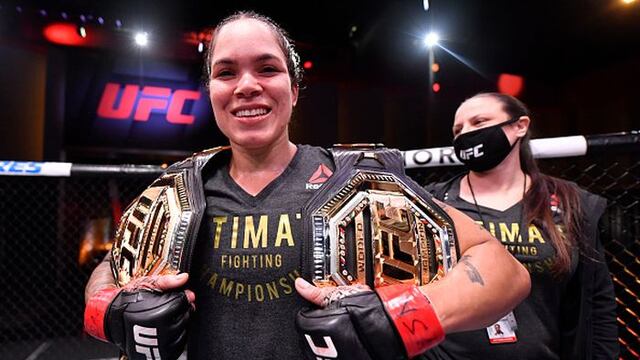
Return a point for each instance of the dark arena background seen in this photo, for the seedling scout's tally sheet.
(88, 119)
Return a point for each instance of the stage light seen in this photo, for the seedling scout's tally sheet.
(63, 33)
(82, 31)
(435, 67)
(510, 84)
(435, 87)
(431, 39)
(118, 23)
(100, 20)
(628, 1)
(142, 39)
(200, 47)
(307, 65)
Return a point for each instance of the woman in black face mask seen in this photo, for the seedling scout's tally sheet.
(548, 224)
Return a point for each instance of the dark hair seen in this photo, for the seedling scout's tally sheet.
(285, 43)
(537, 207)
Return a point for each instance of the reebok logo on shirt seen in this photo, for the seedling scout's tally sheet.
(322, 174)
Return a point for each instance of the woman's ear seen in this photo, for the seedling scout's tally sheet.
(295, 89)
(522, 126)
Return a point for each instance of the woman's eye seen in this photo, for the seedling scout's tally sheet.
(224, 73)
(269, 69)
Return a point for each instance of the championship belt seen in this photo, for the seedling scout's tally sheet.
(371, 224)
(158, 230)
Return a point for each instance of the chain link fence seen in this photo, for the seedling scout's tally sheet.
(53, 233)
(55, 230)
(615, 176)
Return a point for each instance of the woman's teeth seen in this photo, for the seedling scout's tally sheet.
(251, 112)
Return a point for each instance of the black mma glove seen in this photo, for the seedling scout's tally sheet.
(395, 322)
(144, 324)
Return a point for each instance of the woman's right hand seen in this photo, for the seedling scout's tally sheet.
(162, 283)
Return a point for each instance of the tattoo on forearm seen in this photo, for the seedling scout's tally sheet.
(472, 272)
(100, 278)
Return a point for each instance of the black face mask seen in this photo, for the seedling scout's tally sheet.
(483, 149)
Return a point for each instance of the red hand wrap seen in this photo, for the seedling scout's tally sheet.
(413, 316)
(95, 311)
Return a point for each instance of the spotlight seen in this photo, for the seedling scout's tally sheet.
(200, 47)
(82, 31)
(142, 39)
(100, 20)
(353, 30)
(118, 23)
(431, 39)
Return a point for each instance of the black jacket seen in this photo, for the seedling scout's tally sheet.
(588, 324)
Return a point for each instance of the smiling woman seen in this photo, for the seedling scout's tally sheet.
(247, 257)
(251, 91)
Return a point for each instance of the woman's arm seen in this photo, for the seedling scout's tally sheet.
(101, 278)
(486, 283)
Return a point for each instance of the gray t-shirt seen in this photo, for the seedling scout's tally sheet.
(246, 260)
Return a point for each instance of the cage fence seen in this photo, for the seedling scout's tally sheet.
(54, 230)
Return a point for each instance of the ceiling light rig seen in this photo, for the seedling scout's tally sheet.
(71, 28)
(56, 15)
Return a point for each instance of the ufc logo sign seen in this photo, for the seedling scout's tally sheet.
(473, 152)
(150, 98)
(323, 352)
(146, 340)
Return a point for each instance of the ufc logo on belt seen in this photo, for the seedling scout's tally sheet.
(474, 152)
(146, 341)
(151, 98)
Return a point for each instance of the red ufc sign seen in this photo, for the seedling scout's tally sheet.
(160, 99)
